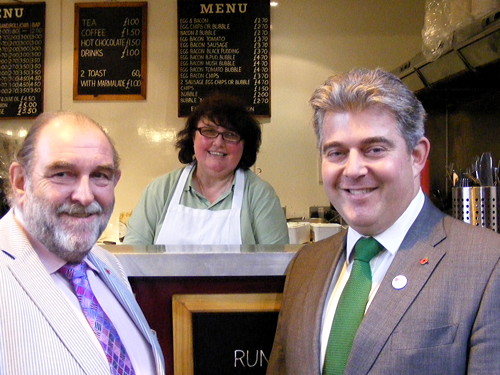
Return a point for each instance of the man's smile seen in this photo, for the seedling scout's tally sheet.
(360, 191)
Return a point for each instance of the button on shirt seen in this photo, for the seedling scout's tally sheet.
(391, 240)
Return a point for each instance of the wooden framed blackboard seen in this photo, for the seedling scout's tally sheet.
(110, 51)
(22, 45)
(224, 46)
(239, 328)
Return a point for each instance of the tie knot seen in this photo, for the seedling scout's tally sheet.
(366, 248)
(74, 271)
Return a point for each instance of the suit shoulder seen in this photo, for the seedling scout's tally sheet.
(317, 252)
(455, 227)
(469, 237)
(109, 260)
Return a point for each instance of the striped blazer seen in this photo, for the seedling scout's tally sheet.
(39, 332)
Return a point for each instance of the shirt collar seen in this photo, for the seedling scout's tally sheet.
(393, 236)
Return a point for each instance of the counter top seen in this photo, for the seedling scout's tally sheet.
(204, 260)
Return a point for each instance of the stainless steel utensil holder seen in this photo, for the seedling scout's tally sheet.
(476, 205)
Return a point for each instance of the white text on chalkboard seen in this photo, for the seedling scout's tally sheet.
(250, 358)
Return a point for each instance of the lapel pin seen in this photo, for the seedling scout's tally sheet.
(424, 260)
(107, 271)
(399, 282)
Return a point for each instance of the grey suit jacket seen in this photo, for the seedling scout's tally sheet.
(446, 321)
(39, 332)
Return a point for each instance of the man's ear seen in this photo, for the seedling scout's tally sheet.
(420, 154)
(117, 176)
(17, 175)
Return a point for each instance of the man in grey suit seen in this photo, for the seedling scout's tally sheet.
(433, 306)
(62, 196)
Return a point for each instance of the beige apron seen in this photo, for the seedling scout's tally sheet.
(192, 226)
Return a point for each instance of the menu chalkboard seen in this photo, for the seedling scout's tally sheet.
(224, 46)
(110, 51)
(22, 41)
(233, 343)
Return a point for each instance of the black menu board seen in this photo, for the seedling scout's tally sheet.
(233, 342)
(224, 46)
(22, 41)
(110, 51)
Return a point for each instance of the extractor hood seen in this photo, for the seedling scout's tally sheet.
(473, 47)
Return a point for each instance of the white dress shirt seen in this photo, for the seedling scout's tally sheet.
(390, 239)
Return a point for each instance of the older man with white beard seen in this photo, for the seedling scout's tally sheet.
(66, 306)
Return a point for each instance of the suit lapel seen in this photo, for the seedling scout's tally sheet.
(121, 292)
(390, 304)
(127, 300)
(39, 286)
(315, 284)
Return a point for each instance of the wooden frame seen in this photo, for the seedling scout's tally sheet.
(184, 305)
(235, 58)
(136, 78)
(22, 70)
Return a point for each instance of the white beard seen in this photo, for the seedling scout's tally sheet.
(58, 233)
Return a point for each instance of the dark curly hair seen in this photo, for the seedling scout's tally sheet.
(229, 112)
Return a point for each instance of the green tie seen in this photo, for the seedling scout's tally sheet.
(351, 307)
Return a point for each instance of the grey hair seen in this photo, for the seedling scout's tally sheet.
(360, 89)
(26, 153)
(25, 156)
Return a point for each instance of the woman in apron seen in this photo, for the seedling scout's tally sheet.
(215, 198)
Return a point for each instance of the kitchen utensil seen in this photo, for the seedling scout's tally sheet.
(472, 179)
(475, 167)
(497, 174)
(486, 169)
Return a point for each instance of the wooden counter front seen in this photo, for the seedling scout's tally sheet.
(158, 273)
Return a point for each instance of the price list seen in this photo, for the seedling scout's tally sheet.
(224, 47)
(22, 41)
(261, 61)
(110, 58)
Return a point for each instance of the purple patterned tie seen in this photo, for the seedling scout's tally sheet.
(98, 320)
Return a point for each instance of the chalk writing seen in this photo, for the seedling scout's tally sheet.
(111, 58)
(22, 29)
(224, 47)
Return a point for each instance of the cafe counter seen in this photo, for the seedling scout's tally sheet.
(204, 261)
(174, 284)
